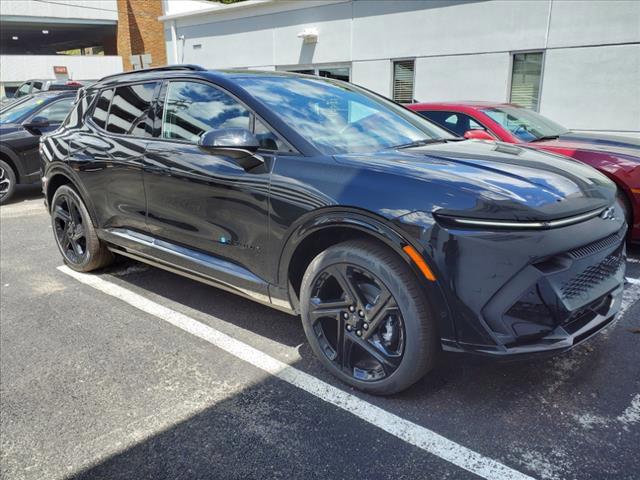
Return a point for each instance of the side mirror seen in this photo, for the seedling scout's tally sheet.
(37, 122)
(478, 134)
(230, 138)
(237, 143)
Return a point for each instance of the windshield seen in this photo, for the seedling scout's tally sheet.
(13, 113)
(338, 117)
(525, 124)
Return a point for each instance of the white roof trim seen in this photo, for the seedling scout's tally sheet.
(219, 8)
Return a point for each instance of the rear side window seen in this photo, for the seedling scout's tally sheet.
(193, 108)
(37, 86)
(101, 110)
(129, 110)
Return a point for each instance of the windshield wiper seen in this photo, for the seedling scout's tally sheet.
(545, 137)
(419, 143)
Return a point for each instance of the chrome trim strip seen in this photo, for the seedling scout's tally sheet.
(527, 225)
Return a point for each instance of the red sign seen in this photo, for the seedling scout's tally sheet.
(60, 70)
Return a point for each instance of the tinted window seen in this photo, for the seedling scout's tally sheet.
(21, 110)
(268, 140)
(193, 108)
(129, 109)
(455, 122)
(102, 108)
(56, 112)
(37, 86)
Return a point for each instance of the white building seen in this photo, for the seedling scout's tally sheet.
(34, 32)
(577, 62)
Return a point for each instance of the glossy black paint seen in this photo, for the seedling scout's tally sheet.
(19, 141)
(197, 211)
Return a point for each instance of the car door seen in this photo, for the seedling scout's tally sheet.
(210, 212)
(54, 113)
(108, 154)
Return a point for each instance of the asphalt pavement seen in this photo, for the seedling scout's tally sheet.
(137, 373)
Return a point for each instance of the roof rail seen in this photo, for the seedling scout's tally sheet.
(166, 68)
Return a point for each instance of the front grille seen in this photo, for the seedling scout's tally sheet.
(592, 276)
(597, 246)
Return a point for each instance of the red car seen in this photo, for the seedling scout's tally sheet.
(618, 157)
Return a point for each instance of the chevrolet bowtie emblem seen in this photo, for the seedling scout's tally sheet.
(608, 214)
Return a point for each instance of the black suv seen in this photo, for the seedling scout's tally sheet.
(391, 238)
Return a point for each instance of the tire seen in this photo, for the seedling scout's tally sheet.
(8, 182)
(391, 316)
(75, 234)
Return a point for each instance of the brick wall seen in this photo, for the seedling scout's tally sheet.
(140, 32)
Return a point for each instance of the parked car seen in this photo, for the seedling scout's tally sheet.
(618, 157)
(392, 238)
(35, 86)
(20, 128)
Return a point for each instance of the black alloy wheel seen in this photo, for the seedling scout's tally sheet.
(75, 235)
(367, 318)
(7, 182)
(357, 322)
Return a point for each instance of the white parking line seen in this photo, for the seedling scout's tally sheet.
(416, 435)
(633, 281)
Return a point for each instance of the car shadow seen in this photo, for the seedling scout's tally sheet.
(25, 192)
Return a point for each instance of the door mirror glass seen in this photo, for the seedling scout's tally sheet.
(37, 122)
(478, 135)
(235, 138)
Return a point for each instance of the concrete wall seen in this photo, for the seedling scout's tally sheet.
(462, 48)
(100, 9)
(16, 68)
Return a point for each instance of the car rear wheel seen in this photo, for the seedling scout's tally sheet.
(366, 317)
(7, 182)
(75, 235)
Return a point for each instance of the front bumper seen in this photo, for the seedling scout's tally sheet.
(516, 294)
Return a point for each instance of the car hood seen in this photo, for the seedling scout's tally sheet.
(628, 146)
(495, 180)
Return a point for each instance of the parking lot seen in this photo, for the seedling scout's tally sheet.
(138, 373)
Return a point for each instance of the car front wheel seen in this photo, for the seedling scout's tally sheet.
(367, 318)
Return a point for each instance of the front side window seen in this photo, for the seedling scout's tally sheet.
(525, 79)
(129, 110)
(338, 117)
(456, 122)
(56, 112)
(193, 108)
(526, 125)
(101, 110)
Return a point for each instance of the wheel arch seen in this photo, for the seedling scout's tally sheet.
(314, 234)
(12, 159)
(60, 176)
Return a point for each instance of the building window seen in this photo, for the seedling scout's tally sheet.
(526, 77)
(403, 74)
(339, 72)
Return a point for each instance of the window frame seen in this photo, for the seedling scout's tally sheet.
(413, 79)
(150, 111)
(159, 110)
(512, 55)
